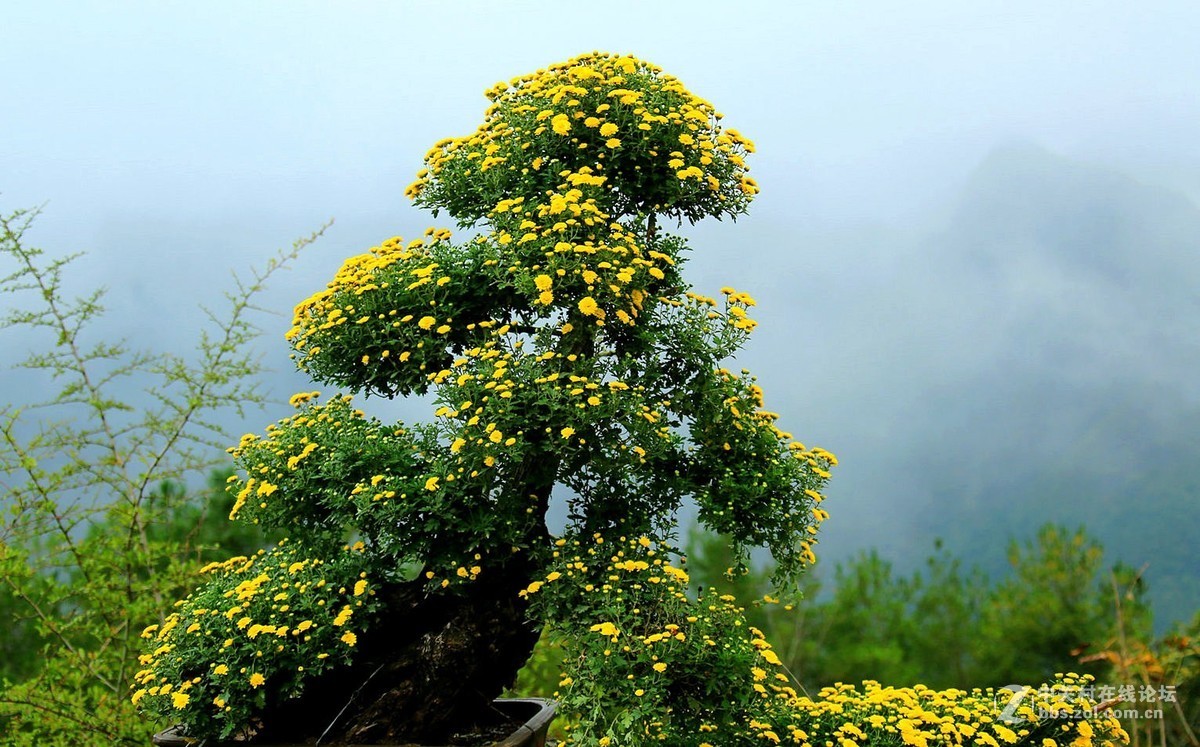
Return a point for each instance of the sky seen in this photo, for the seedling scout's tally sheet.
(176, 142)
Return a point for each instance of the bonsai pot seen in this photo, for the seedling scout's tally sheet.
(532, 716)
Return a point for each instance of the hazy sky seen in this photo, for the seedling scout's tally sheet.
(174, 142)
(299, 110)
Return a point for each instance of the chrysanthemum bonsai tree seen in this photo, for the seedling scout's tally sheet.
(563, 348)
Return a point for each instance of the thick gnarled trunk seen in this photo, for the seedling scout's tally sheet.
(431, 667)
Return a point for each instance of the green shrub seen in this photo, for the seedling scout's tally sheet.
(101, 528)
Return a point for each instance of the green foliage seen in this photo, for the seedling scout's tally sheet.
(541, 673)
(647, 662)
(330, 472)
(944, 625)
(193, 522)
(99, 534)
(22, 642)
(1054, 602)
(713, 565)
(200, 520)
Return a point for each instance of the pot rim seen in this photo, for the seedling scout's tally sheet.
(525, 734)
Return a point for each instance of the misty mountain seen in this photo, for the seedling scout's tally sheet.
(1066, 311)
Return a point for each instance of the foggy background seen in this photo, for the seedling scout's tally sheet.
(976, 253)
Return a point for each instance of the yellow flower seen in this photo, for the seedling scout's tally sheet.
(220, 669)
(426, 322)
(546, 298)
(257, 680)
(567, 432)
(612, 142)
(431, 483)
(606, 629)
(660, 667)
(179, 700)
(608, 129)
(349, 638)
(588, 306)
(543, 282)
(561, 124)
(360, 587)
(301, 397)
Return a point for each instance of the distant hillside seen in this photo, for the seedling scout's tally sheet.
(1075, 396)
(1035, 357)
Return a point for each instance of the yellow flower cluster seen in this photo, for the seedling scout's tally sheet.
(651, 650)
(350, 321)
(658, 147)
(560, 259)
(847, 715)
(490, 379)
(577, 256)
(278, 464)
(275, 616)
(392, 319)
